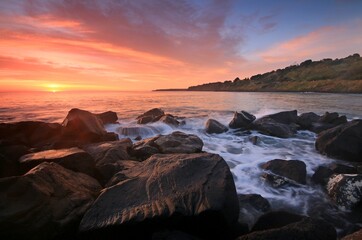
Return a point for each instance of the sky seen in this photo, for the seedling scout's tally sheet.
(131, 45)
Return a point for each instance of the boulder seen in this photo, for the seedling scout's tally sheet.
(292, 169)
(354, 236)
(136, 131)
(72, 158)
(82, 127)
(286, 117)
(306, 120)
(213, 126)
(276, 219)
(323, 173)
(241, 120)
(29, 133)
(108, 117)
(252, 206)
(179, 142)
(194, 193)
(9, 155)
(306, 229)
(345, 190)
(170, 120)
(109, 152)
(343, 142)
(145, 148)
(48, 202)
(152, 115)
(327, 121)
(113, 173)
(271, 127)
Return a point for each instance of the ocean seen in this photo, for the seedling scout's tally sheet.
(235, 147)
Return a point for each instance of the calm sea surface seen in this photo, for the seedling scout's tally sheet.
(242, 156)
(53, 107)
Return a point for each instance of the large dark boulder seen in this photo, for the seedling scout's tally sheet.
(74, 159)
(241, 120)
(29, 133)
(109, 152)
(269, 126)
(81, 127)
(306, 229)
(286, 117)
(108, 117)
(179, 142)
(213, 126)
(292, 169)
(48, 202)
(343, 142)
(117, 172)
(194, 193)
(306, 120)
(152, 115)
(346, 190)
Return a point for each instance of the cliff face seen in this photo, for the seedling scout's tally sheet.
(327, 75)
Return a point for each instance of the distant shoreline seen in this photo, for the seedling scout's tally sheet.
(266, 91)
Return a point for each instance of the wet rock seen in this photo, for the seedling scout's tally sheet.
(135, 131)
(145, 148)
(276, 181)
(108, 117)
(345, 190)
(323, 173)
(109, 152)
(241, 120)
(82, 127)
(170, 120)
(286, 117)
(179, 142)
(306, 229)
(276, 219)
(193, 192)
(213, 126)
(343, 142)
(252, 206)
(291, 169)
(29, 133)
(306, 120)
(270, 127)
(152, 115)
(354, 236)
(328, 121)
(254, 139)
(72, 158)
(47, 202)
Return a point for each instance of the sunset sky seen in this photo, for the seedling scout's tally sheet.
(148, 44)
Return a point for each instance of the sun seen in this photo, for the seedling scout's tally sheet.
(53, 87)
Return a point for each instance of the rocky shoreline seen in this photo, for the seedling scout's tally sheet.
(75, 180)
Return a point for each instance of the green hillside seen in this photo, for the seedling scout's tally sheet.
(327, 75)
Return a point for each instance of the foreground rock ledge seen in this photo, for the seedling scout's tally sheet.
(188, 192)
(46, 203)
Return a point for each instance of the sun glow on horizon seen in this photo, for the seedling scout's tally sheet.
(53, 87)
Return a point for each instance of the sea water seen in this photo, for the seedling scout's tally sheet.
(195, 108)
